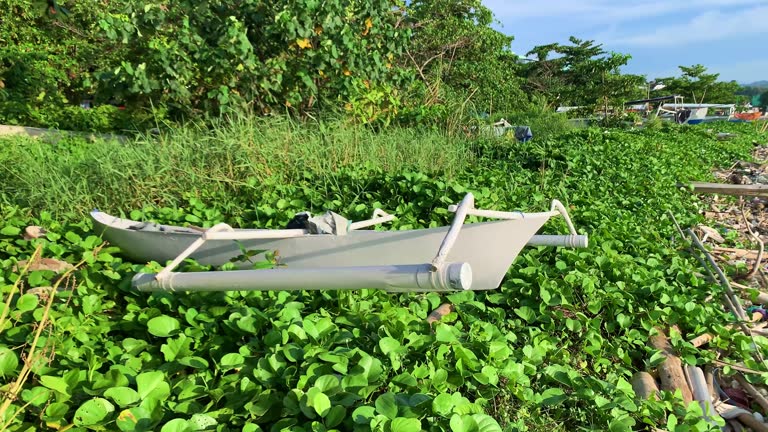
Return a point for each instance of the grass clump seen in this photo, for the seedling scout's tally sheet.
(232, 153)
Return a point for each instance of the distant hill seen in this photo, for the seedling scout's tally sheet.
(758, 84)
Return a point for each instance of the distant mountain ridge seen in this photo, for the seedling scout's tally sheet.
(759, 84)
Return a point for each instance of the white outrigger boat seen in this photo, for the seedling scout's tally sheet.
(331, 253)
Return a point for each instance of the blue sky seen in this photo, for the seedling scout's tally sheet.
(729, 37)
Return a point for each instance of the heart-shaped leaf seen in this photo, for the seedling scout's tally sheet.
(94, 412)
(163, 326)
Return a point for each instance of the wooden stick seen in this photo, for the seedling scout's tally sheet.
(737, 309)
(707, 337)
(756, 237)
(727, 189)
(752, 392)
(739, 367)
(671, 369)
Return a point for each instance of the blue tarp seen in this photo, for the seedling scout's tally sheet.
(523, 133)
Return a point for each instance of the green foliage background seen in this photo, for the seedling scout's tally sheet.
(435, 62)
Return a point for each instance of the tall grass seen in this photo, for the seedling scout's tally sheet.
(233, 152)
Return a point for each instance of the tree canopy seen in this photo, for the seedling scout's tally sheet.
(375, 60)
(580, 74)
(699, 86)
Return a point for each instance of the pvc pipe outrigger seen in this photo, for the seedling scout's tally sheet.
(398, 278)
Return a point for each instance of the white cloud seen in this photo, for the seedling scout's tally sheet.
(708, 26)
(594, 11)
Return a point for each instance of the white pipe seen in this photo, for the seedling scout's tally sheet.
(569, 241)
(255, 234)
(393, 278)
(701, 393)
(465, 206)
(379, 217)
(193, 247)
(560, 208)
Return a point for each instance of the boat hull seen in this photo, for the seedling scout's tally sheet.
(489, 247)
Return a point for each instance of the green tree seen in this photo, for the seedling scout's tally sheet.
(764, 101)
(581, 74)
(49, 58)
(206, 56)
(700, 86)
(454, 51)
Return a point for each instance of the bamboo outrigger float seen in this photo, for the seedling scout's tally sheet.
(332, 254)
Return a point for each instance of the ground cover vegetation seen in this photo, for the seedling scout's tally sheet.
(247, 112)
(552, 349)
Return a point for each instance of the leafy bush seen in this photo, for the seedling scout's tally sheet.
(196, 58)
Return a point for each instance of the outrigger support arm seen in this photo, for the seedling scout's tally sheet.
(573, 240)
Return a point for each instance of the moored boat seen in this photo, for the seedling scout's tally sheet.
(330, 252)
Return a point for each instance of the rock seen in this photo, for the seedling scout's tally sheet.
(437, 314)
(33, 232)
(51, 264)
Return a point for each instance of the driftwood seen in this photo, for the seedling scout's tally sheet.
(745, 417)
(752, 423)
(709, 375)
(710, 233)
(762, 297)
(735, 426)
(645, 386)
(727, 189)
(670, 370)
(759, 241)
(738, 253)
